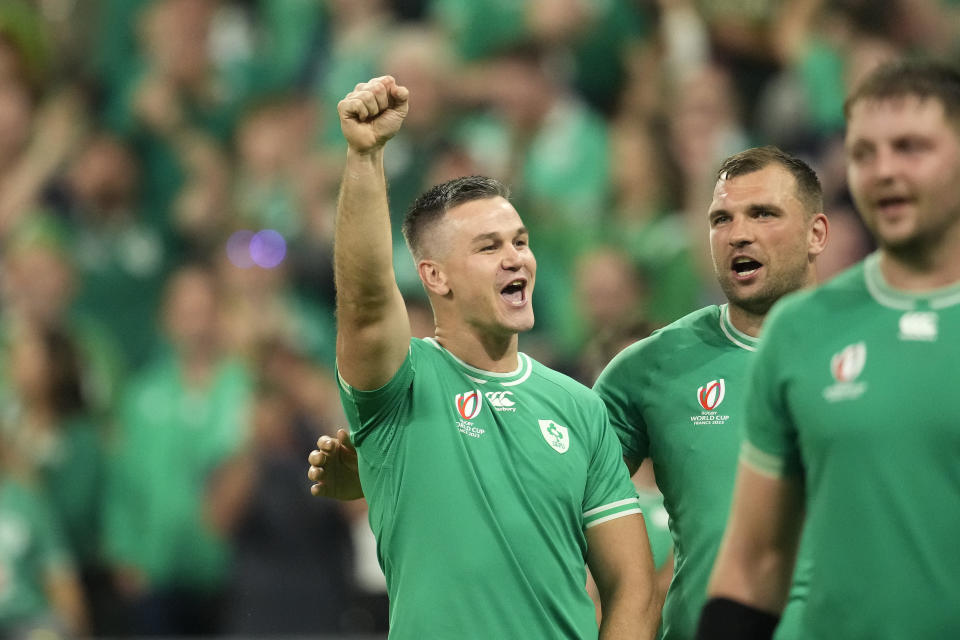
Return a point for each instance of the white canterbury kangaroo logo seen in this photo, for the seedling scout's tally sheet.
(500, 400)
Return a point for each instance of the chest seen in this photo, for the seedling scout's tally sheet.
(883, 386)
(503, 440)
(693, 409)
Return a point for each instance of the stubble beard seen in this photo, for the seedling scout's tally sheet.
(760, 301)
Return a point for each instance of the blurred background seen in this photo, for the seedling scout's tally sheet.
(168, 177)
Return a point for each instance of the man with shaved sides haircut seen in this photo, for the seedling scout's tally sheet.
(677, 396)
(491, 479)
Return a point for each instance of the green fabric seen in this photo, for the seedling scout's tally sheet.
(557, 249)
(312, 328)
(822, 73)
(162, 168)
(121, 274)
(171, 438)
(676, 397)
(458, 462)
(480, 28)
(852, 387)
(661, 250)
(658, 529)
(566, 169)
(289, 31)
(72, 476)
(600, 54)
(115, 52)
(31, 546)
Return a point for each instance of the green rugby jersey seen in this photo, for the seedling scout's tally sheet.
(31, 548)
(481, 487)
(677, 397)
(851, 389)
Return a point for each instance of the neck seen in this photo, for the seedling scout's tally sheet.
(490, 353)
(197, 366)
(746, 321)
(919, 270)
(39, 416)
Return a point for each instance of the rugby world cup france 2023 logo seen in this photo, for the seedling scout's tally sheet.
(469, 404)
(711, 394)
(709, 397)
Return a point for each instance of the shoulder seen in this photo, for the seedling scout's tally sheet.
(159, 371)
(810, 307)
(695, 328)
(563, 385)
(426, 349)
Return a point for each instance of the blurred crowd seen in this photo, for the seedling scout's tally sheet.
(168, 176)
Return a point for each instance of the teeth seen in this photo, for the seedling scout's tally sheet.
(748, 272)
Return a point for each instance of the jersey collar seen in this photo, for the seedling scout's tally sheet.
(480, 376)
(887, 296)
(734, 335)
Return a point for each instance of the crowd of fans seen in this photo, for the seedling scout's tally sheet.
(168, 174)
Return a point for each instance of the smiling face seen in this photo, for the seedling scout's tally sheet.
(485, 270)
(903, 168)
(762, 239)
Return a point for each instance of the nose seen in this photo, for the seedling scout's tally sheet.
(512, 258)
(741, 232)
(884, 164)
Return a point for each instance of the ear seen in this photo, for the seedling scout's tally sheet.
(819, 228)
(433, 277)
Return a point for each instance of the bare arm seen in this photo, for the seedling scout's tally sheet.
(755, 563)
(622, 566)
(373, 333)
(67, 600)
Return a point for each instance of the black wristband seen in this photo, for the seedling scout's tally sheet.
(725, 619)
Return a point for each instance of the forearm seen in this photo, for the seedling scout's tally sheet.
(373, 332)
(754, 565)
(755, 577)
(363, 246)
(623, 618)
(67, 599)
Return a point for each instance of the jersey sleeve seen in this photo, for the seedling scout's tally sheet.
(374, 416)
(620, 391)
(770, 437)
(609, 492)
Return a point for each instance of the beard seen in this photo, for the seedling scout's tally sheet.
(758, 301)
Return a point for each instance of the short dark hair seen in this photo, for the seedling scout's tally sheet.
(923, 78)
(431, 206)
(808, 184)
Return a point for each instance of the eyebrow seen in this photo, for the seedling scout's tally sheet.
(493, 235)
(754, 208)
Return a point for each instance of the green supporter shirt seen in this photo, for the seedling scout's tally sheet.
(481, 487)
(31, 548)
(77, 454)
(676, 397)
(173, 436)
(851, 390)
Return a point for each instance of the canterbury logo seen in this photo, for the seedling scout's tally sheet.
(469, 404)
(500, 399)
(711, 395)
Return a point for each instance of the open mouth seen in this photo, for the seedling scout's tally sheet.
(892, 202)
(745, 267)
(515, 292)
